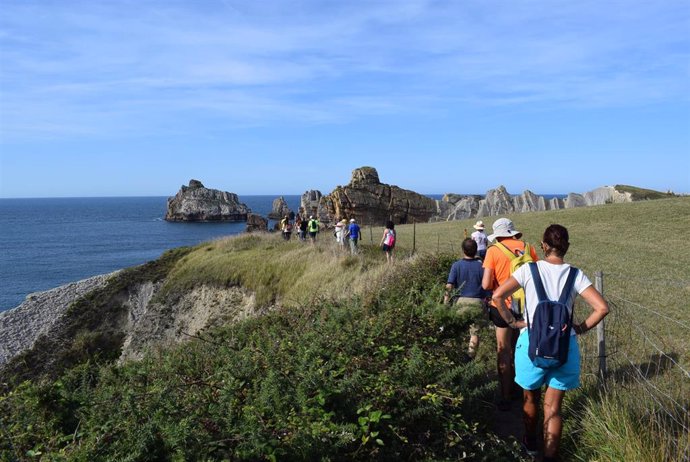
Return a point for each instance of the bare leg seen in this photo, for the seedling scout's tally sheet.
(553, 422)
(504, 360)
(530, 411)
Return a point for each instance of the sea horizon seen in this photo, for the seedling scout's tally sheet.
(51, 241)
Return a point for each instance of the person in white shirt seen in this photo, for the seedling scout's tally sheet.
(480, 238)
(553, 272)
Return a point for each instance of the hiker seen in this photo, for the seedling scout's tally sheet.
(313, 228)
(466, 276)
(354, 235)
(553, 272)
(388, 241)
(480, 238)
(286, 227)
(339, 233)
(302, 230)
(298, 226)
(497, 265)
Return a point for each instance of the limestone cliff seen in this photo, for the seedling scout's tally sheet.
(499, 202)
(197, 203)
(141, 322)
(369, 201)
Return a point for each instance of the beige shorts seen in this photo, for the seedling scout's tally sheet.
(465, 305)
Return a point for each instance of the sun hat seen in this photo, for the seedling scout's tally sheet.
(503, 227)
(479, 225)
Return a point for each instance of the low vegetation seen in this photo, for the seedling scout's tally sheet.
(357, 360)
(640, 194)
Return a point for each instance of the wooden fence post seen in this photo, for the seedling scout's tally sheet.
(601, 337)
(414, 236)
(371, 234)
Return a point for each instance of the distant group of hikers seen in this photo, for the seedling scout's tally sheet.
(530, 303)
(345, 233)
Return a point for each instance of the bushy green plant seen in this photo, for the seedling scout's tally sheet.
(374, 378)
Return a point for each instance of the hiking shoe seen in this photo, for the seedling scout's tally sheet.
(504, 405)
(529, 445)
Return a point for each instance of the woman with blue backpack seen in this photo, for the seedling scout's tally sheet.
(547, 352)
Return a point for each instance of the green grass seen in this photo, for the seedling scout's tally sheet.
(642, 193)
(348, 340)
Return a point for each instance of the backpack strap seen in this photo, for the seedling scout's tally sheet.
(508, 253)
(569, 283)
(536, 278)
(541, 293)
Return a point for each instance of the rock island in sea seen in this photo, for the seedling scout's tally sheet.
(198, 203)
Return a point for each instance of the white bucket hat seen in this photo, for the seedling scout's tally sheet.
(479, 225)
(503, 227)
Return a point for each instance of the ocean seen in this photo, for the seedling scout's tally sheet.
(45, 243)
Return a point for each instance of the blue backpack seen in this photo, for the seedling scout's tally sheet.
(549, 334)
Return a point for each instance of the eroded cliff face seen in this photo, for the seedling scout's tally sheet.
(153, 325)
(198, 203)
(371, 202)
(142, 323)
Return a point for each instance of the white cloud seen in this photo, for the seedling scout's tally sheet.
(119, 66)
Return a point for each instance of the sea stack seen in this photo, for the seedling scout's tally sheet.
(197, 203)
(371, 202)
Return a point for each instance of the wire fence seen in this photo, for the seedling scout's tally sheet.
(646, 351)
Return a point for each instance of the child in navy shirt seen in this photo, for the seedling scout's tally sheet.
(466, 276)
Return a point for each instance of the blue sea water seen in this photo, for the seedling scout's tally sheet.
(45, 243)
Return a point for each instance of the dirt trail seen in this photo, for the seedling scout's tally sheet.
(509, 423)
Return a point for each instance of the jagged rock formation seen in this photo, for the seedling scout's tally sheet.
(256, 223)
(369, 201)
(499, 202)
(279, 209)
(309, 203)
(197, 203)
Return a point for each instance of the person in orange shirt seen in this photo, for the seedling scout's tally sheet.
(497, 271)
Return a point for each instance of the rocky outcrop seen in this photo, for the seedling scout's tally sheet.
(197, 203)
(607, 195)
(309, 203)
(574, 200)
(369, 201)
(499, 202)
(256, 223)
(20, 327)
(279, 209)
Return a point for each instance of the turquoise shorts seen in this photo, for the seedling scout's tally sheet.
(531, 377)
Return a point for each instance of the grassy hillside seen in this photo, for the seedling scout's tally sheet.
(641, 194)
(356, 359)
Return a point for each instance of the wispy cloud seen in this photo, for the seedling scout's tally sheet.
(81, 67)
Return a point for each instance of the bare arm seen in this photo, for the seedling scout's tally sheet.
(599, 310)
(446, 295)
(488, 279)
(498, 299)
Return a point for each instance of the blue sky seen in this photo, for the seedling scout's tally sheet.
(112, 98)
